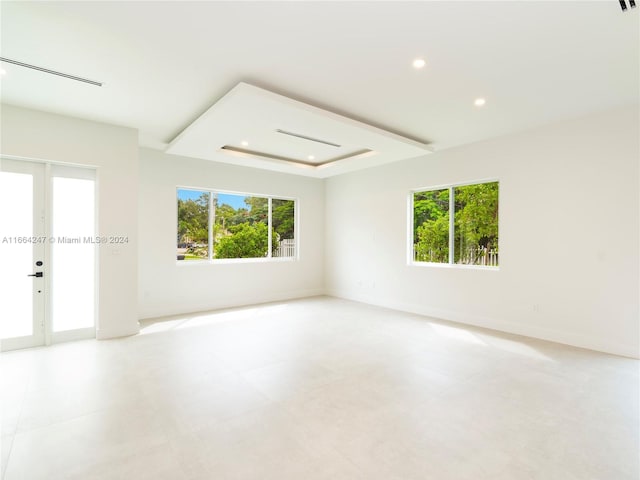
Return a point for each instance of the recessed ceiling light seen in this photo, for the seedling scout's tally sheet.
(311, 157)
(479, 102)
(3, 71)
(419, 63)
(245, 143)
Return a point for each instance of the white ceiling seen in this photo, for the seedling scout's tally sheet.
(254, 127)
(165, 63)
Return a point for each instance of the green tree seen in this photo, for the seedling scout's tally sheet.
(224, 215)
(475, 223)
(258, 209)
(245, 241)
(193, 219)
(476, 218)
(283, 218)
(431, 226)
(429, 206)
(433, 241)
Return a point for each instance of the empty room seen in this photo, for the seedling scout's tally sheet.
(320, 240)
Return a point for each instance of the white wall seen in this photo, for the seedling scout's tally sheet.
(36, 135)
(569, 242)
(569, 221)
(169, 287)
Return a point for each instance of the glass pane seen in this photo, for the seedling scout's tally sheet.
(193, 225)
(73, 254)
(431, 226)
(241, 226)
(283, 223)
(16, 222)
(476, 224)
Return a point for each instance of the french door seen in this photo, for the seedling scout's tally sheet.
(47, 254)
(22, 220)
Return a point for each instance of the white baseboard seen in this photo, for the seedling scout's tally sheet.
(107, 333)
(229, 302)
(557, 336)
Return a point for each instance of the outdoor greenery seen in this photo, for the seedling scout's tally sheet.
(193, 219)
(283, 217)
(475, 223)
(238, 232)
(431, 226)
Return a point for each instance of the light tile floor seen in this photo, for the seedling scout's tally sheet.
(316, 389)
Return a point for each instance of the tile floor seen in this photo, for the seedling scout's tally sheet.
(315, 389)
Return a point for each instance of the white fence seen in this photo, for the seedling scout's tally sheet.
(480, 256)
(473, 256)
(286, 248)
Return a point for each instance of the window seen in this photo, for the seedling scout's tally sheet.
(470, 237)
(193, 225)
(216, 225)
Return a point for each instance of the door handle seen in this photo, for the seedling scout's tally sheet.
(37, 275)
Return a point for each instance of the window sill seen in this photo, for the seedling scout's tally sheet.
(228, 261)
(455, 266)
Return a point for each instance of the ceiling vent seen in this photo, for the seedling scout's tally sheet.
(289, 136)
(51, 72)
(311, 139)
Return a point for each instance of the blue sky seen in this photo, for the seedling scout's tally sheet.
(236, 201)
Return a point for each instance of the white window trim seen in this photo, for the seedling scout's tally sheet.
(450, 264)
(212, 195)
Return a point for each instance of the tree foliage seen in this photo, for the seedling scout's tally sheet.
(283, 217)
(429, 206)
(433, 240)
(431, 225)
(245, 241)
(475, 222)
(476, 218)
(238, 232)
(193, 219)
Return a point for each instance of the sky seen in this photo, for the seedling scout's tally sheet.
(235, 201)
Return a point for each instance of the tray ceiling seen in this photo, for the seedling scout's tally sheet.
(533, 62)
(252, 126)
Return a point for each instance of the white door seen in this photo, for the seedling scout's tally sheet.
(22, 254)
(47, 254)
(73, 254)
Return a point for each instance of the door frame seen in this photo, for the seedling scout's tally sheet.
(39, 251)
(43, 195)
(83, 173)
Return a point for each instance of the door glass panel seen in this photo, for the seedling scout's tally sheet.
(73, 254)
(16, 254)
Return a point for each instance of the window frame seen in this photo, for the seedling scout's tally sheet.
(451, 261)
(211, 222)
